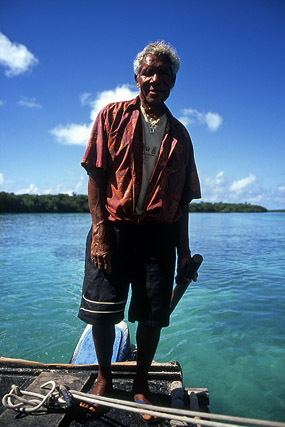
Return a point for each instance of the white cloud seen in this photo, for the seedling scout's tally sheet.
(78, 134)
(2, 102)
(80, 183)
(239, 185)
(120, 93)
(191, 116)
(281, 188)
(222, 189)
(72, 134)
(213, 121)
(77, 187)
(59, 188)
(219, 179)
(1, 179)
(54, 190)
(85, 98)
(32, 189)
(29, 103)
(214, 188)
(15, 57)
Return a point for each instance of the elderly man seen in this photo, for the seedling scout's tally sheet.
(142, 176)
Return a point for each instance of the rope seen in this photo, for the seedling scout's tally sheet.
(59, 397)
(27, 405)
(173, 413)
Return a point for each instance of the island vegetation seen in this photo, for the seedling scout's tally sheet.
(225, 207)
(64, 203)
(46, 203)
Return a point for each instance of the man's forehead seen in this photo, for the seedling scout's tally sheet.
(160, 60)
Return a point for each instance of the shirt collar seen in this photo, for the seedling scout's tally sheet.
(134, 104)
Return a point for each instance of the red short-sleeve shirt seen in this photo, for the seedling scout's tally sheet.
(115, 145)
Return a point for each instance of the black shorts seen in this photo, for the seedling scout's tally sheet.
(143, 256)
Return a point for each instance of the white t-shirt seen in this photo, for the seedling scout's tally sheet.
(152, 137)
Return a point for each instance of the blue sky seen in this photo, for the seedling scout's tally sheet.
(61, 61)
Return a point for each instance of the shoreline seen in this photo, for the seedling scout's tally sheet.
(64, 203)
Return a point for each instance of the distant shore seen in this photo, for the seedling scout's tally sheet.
(63, 203)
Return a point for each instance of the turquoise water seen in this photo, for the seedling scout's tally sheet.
(227, 332)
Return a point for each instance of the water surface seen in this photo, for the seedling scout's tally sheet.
(227, 332)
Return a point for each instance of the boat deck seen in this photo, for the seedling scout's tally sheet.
(30, 375)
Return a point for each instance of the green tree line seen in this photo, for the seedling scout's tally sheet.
(50, 203)
(63, 203)
(225, 207)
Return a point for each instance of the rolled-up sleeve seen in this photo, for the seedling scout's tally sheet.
(192, 188)
(96, 152)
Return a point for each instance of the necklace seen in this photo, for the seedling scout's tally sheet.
(153, 123)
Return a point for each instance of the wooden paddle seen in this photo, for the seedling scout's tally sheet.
(182, 284)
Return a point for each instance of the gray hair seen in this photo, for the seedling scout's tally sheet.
(158, 48)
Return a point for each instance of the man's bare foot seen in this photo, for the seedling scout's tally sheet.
(101, 388)
(141, 398)
(144, 398)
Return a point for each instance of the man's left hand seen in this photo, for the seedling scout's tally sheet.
(181, 267)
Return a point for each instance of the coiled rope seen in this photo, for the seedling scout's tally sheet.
(28, 401)
(59, 397)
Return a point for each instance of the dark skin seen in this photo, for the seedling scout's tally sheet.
(155, 81)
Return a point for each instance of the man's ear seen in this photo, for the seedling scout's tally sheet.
(137, 81)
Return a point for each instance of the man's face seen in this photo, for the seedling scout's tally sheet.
(155, 80)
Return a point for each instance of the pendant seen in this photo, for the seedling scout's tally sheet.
(151, 129)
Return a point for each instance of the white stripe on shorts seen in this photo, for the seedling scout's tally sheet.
(103, 312)
(103, 302)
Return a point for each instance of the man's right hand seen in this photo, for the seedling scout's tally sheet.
(100, 248)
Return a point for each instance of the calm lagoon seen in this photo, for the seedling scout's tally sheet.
(227, 332)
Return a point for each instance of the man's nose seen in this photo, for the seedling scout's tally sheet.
(155, 77)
